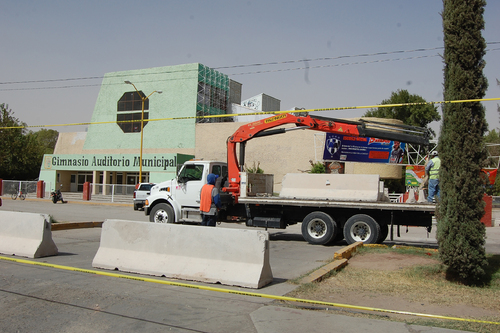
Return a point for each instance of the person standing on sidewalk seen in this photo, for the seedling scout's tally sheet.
(209, 201)
(432, 171)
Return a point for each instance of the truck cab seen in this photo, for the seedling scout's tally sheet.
(178, 200)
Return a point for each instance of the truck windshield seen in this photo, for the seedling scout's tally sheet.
(191, 172)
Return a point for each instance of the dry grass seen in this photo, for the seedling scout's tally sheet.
(425, 284)
(418, 288)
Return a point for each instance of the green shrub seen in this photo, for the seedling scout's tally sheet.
(318, 167)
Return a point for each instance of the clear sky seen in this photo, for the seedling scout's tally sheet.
(310, 54)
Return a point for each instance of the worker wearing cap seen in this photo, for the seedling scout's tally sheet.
(432, 171)
(209, 201)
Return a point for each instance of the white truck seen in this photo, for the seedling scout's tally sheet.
(330, 207)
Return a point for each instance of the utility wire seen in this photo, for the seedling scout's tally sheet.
(235, 66)
(240, 66)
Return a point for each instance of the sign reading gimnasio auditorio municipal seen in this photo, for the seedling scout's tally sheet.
(118, 162)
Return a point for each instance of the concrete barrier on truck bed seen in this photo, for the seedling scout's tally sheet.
(26, 235)
(340, 187)
(228, 256)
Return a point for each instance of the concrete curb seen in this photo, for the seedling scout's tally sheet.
(321, 272)
(346, 252)
(341, 258)
(75, 225)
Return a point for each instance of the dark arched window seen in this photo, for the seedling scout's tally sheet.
(130, 110)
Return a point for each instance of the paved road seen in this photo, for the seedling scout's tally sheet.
(44, 299)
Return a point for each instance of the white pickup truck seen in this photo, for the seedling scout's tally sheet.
(324, 220)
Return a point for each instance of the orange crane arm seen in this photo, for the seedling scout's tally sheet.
(409, 134)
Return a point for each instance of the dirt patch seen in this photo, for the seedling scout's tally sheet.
(386, 280)
(390, 261)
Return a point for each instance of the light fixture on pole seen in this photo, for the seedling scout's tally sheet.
(144, 99)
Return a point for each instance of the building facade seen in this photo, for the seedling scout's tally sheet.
(158, 119)
(173, 114)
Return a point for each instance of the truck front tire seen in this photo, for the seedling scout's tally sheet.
(319, 228)
(162, 213)
(361, 228)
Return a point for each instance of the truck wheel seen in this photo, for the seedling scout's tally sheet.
(318, 228)
(162, 213)
(361, 228)
(136, 207)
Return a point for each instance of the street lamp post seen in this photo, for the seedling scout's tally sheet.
(144, 99)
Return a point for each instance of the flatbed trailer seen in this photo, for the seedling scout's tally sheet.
(369, 222)
(392, 206)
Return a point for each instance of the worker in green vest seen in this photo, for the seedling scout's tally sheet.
(432, 171)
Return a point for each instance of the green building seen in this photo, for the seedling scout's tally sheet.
(170, 101)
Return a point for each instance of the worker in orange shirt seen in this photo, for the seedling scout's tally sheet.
(209, 201)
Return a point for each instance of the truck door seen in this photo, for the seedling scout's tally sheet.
(221, 171)
(190, 180)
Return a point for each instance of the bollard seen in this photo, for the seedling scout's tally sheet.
(40, 189)
(86, 191)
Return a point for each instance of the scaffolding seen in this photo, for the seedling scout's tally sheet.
(213, 95)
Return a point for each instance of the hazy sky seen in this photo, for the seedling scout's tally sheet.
(310, 54)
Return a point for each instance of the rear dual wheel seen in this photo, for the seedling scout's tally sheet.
(364, 228)
(319, 228)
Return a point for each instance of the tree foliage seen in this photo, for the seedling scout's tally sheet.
(47, 138)
(461, 235)
(20, 152)
(416, 115)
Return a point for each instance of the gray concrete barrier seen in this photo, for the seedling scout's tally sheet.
(26, 235)
(331, 186)
(237, 257)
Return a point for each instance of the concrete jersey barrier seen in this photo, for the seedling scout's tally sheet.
(26, 235)
(228, 256)
(341, 187)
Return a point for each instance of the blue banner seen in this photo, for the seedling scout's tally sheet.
(347, 148)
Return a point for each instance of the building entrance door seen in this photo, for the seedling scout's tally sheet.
(73, 185)
(82, 178)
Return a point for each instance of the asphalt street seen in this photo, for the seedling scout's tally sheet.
(44, 299)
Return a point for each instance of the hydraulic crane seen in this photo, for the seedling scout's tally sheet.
(266, 127)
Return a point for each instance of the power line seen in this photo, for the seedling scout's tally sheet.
(228, 67)
(240, 66)
(332, 58)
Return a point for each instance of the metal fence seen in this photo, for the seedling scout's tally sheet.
(10, 187)
(108, 193)
(112, 192)
(113, 189)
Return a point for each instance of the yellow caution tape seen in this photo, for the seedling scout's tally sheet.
(261, 113)
(237, 292)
